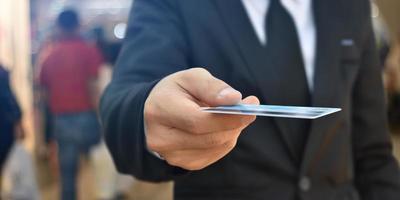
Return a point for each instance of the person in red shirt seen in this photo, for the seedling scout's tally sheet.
(68, 75)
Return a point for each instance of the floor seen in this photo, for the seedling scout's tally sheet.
(138, 190)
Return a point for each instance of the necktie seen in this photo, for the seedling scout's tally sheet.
(284, 53)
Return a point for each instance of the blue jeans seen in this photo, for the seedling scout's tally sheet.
(75, 134)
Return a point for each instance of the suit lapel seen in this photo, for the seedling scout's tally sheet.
(326, 87)
(239, 25)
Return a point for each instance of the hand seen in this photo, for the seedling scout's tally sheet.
(180, 132)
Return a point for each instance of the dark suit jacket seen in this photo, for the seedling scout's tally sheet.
(348, 155)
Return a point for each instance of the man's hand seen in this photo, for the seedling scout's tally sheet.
(180, 132)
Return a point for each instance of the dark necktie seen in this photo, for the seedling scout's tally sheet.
(283, 51)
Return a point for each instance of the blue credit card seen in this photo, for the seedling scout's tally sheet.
(273, 111)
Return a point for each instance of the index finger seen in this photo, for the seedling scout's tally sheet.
(188, 116)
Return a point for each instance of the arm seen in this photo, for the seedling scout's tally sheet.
(176, 128)
(40, 98)
(41, 107)
(154, 47)
(8, 100)
(10, 105)
(95, 61)
(377, 173)
(94, 91)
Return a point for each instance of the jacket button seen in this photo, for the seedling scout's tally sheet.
(305, 184)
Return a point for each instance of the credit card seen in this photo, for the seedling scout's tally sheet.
(273, 111)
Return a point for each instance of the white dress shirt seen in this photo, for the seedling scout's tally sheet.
(302, 13)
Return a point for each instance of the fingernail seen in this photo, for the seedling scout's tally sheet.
(227, 91)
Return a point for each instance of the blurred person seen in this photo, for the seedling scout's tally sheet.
(392, 66)
(106, 176)
(305, 53)
(109, 49)
(10, 119)
(109, 184)
(68, 76)
(382, 38)
(392, 82)
(47, 149)
(107, 179)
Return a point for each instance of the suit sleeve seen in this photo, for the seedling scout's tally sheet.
(377, 172)
(154, 47)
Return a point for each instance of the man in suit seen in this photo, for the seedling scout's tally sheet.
(312, 53)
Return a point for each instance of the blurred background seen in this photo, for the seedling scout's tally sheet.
(28, 26)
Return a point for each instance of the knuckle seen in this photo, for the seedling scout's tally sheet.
(191, 74)
(158, 141)
(149, 112)
(174, 161)
(153, 144)
(211, 82)
(242, 121)
(193, 166)
(245, 121)
(199, 71)
(188, 164)
(252, 119)
(231, 144)
(212, 140)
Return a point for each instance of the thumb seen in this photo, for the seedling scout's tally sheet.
(200, 84)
